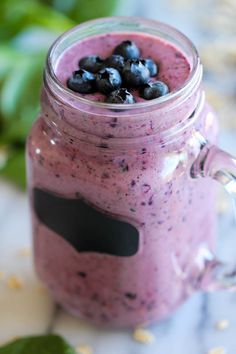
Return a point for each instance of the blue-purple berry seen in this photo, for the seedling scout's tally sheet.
(128, 50)
(82, 81)
(135, 73)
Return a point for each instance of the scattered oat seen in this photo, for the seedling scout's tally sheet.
(222, 207)
(143, 336)
(222, 325)
(41, 289)
(218, 350)
(83, 349)
(24, 252)
(2, 275)
(15, 282)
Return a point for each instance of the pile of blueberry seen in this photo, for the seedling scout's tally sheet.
(115, 74)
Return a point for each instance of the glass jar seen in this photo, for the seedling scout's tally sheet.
(124, 226)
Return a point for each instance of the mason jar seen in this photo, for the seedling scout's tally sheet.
(122, 196)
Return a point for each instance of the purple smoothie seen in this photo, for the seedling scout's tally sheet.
(123, 165)
(174, 68)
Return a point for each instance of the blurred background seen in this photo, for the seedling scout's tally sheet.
(28, 27)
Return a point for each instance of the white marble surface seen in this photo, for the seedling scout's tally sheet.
(31, 311)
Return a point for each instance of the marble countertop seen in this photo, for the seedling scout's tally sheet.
(29, 309)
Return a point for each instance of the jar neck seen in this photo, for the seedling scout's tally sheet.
(97, 123)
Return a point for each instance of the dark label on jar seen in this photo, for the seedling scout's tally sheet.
(84, 227)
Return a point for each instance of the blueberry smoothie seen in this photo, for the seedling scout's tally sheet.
(120, 227)
(171, 66)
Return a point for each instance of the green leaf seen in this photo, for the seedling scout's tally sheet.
(83, 10)
(16, 15)
(19, 96)
(25, 42)
(13, 85)
(50, 344)
(8, 58)
(17, 130)
(14, 170)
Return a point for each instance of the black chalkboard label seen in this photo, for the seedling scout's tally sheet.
(83, 226)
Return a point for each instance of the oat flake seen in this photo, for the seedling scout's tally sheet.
(24, 252)
(83, 349)
(143, 336)
(219, 350)
(15, 282)
(222, 325)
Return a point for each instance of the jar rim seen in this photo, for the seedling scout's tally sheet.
(174, 95)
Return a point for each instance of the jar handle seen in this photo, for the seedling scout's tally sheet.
(219, 165)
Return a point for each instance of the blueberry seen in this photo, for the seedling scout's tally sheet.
(82, 81)
(120, 96)
(154, 90)
(92, 63)
(151, 66)
(108, 79)
(115, 61)
(135, 73)
(128, 50)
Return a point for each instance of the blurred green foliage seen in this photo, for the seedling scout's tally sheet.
(27, 28)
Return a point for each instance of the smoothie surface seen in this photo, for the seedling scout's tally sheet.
(174, 67)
